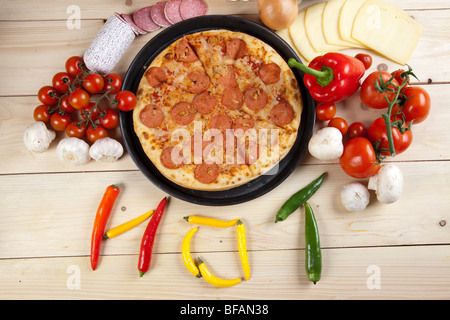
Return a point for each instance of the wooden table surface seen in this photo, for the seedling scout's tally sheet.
(47, 207)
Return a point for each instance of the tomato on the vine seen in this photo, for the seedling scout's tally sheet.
(357, 129)
(340, 124)
(61, 81)
(93, 133)
(93, 83)
(79, 99)
(113, 80)
(74, 65)
(359, 159)
(417, 106)
(41, 113)
(370, 96)
(110, 120)
(365, 58)
(48, 95)
(398, 76)
(90, 111)
(126, 100)
(65, 105)
(377, 131)
(77, 130)
(59, 122)
(325, 112)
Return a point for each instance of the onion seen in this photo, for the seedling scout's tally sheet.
(278, 14)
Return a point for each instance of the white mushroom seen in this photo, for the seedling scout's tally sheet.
(37, 137)
(106, 149)
(326, 144)
(355, 196)
(387, 183)
(73, 150)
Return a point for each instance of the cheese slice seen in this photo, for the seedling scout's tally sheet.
(347, 15)
(314, 29)
(284, 34)
(387, 30)
(297, 32)
(331, 15)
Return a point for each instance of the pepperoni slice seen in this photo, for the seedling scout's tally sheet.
(156, 76)
(193, 8)
(172, 11)
(157, 14)
(245, 122)
(221, 122)
(204, 102)
(184, 52)
(255, 98)
(270, 73)
(282, 114)
(229, 78)
(151, 116)
(236, 48)
(232, 98)
(183, 113)
(206, 173)
(200, 81)
(170, 160)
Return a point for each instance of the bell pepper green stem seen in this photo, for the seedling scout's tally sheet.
(323, 77)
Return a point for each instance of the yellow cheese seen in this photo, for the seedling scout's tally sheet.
(346, 17)
(284, 34)
(387, 30)
(298, 35)
(314, 28)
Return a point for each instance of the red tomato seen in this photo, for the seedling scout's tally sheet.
(65, 105)
(110, 120)
(95, 133)
(377, 131)
(113, 80)
(48, 95)
(325, 112)
(370, 96)
(41, 113)
(365, 59)
(76, 130)
(126, 100)
(93, 83)
(417, 106)
(61, 81)
(398, 76)
(359, 158)
(357, 129)
(59, 122)
(79, 99)
(74, 65)
(89, 110)
(339, 123)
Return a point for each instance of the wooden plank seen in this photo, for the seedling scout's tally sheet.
(46, 215)
(366, 273)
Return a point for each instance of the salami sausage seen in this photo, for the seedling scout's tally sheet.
(270, 73)
(172, 11)
(158, 15)
(204, 102)
(229, 78)
(170, 160)
(232, 98)
(151, 116)
(255, 98)
(282, 114)
(184, 52)
(193, 8)
(245, 122)
(236, 48)
(206, 173)
(156, 76)
(200, 81)
(136, 29)
(221, 122)
(143, 19)
(183, 113)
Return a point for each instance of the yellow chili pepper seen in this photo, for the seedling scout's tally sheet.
(114, 232)
(186, 253)
(210, 221)
(215, 281)
(242, 244)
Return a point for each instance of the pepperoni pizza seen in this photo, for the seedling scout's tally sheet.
(217, 109)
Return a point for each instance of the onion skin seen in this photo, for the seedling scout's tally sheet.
(277, 14)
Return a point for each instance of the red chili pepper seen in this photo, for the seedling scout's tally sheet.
(148, 238)
(332, 77)
(103, 212)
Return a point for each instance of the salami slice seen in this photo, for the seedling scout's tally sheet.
(193, 8)
(136, 29)
(172, 11)
(158, 15)
(143, 19)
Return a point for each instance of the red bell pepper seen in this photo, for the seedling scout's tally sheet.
(332, 77)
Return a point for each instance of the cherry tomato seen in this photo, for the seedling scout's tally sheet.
(359, 158)
(325, 112)
(377, 131)
(48, 95)
(113, 80)
(365, 59)
(41, 113)
(370, 96)
(79, 99)
(59, 122)
(95, 133)
(357, 129)
(110, 120)
(126, 100)
(77, 130)
(417, 106)
(339, 123)
(398, 76)
(65, 105)
(89, 110)
(93, 83)
(61, 81)
(74, 65)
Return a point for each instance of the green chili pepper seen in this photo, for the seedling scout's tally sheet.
(313, 254)
(299, 198)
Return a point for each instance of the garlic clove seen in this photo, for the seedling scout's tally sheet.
(37, 137)
(73, 151)
(106, 150)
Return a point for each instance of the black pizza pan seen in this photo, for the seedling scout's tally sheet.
(254, 188)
